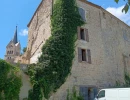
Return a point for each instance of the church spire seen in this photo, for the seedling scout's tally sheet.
(15, 40)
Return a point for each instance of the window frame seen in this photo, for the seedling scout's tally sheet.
(85, 34)
(82, 35)
(84, 56)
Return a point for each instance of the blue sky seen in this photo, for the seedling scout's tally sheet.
(19, 12)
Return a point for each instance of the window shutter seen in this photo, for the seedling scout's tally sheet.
(78, 30)
(79, 54)
(89, 56)
(82, 13)
(86, 35)
(95, 92)
(84, 92)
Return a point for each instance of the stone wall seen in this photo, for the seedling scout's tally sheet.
(15, 51)
(109, 43)
(109, 52)
(39, 29)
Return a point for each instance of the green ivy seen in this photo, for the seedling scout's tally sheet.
(126, 83)
(55, 63)
(10, 81)
(73, 95)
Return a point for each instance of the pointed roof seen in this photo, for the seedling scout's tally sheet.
(15, 40)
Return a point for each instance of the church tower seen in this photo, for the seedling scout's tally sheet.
(13, 49)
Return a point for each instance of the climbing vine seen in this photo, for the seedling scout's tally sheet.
(54, 65)
(126, 79)
(10, 81)
(73, 95)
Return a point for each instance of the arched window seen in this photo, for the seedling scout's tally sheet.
(82, 13)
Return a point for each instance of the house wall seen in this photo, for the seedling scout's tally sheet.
(109, 43)
(109, 53)
(39, 30)
(26, 86)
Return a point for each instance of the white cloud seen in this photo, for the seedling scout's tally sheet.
(23, 32)
(119, 14)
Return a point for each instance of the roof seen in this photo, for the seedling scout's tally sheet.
(17, 44)
(15, 40)
(85, 1)
(9, 43)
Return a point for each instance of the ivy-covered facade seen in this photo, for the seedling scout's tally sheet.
(76, 43)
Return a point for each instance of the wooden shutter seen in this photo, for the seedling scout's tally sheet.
(78, 30)
(79, 55)
(89, 56)
(82, 14)
(86, 35)
(95, 92)
(84, 92)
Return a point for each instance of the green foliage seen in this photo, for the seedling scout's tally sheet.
(55, 63)
(31, 72)
(24, 49)
(73, 95)
(127, 81)
(126, 7)
(35, 93)
(10, 81)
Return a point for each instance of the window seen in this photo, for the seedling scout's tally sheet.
(83, 34)
(82, 13)
(101, 94)
(84, 55)
(81, 54)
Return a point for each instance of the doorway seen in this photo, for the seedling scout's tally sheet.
(88, 93)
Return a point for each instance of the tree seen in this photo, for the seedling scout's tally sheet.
(126, 7)
(10, 81)
(24, 49)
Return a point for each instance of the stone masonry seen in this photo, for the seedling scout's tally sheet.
(109, 43)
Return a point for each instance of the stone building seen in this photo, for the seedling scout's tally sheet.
(102, 52)
(13, 49)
